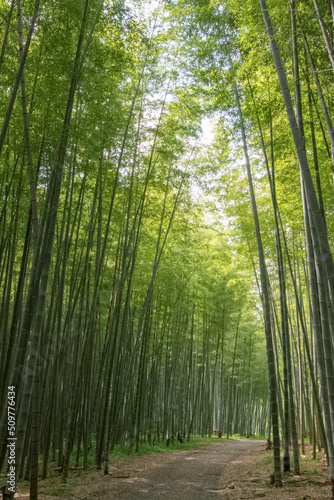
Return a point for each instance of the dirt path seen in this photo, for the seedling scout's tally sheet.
(198, 474)
(225, 470)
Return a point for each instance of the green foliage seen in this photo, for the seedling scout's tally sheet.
(153, 318)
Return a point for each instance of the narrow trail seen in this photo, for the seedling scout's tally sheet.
(200, 474)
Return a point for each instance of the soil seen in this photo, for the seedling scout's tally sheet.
(227, 469)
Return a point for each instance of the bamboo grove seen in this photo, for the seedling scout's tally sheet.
(156, 283)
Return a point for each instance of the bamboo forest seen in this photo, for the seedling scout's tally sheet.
(166, 234)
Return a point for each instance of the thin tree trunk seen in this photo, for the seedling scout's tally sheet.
(5, 38)
(312, 201)
(266, 312)
(328, 43)
(18, 77)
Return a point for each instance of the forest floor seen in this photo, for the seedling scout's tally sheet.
(227, 469)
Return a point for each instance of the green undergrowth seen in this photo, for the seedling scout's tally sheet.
(58, 489)
(145, 448)
(309, 466)
(123, 451)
